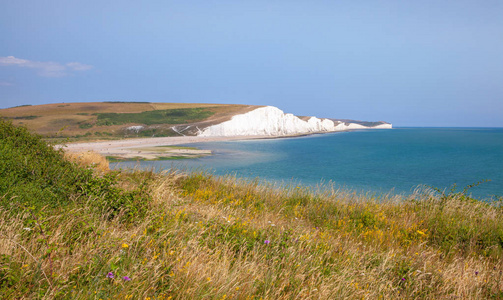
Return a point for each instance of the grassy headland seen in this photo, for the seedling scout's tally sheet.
(71, 229)
(117, 120)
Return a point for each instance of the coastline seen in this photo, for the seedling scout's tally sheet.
(145, 148)
(151, 148)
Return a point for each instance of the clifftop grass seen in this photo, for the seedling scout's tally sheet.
(110, 120)
(140, 235)
(168, 116)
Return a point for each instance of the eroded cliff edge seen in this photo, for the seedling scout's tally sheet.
(271, 121)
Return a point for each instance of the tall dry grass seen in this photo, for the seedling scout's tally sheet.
(208, 237)
(89, 159)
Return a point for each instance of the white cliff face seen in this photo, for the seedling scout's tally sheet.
(351, 126)
(272, 121)
(383, 126)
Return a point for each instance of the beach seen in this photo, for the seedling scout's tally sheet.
(152, 148)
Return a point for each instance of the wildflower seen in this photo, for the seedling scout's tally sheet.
(476, 272)
(126, 278)
(267, 242)
(125, 246)
(27, 228)
(403, 279)
(110, 275)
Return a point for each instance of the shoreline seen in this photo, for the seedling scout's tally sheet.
(144, 148)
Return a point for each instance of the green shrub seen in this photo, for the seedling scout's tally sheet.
(33, 172)
(36, 175)
(109, 198)
(85, 125)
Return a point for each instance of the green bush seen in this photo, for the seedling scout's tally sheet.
(33, 172)
(85, 126)
(109, 198)
(36, 175)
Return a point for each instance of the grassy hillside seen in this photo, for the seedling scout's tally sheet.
(110, 120)
(95, 234)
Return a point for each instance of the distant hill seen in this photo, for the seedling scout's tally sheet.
(106, 120)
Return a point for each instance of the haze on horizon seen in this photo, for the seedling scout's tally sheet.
(411, 63)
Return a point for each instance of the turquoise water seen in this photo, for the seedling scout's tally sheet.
(370, 160)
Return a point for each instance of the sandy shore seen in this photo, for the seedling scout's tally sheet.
(145, 147)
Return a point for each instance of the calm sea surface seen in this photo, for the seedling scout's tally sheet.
(370, 160)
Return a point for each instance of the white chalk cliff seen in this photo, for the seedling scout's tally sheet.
(272, 121)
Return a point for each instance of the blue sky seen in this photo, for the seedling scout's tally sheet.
(412, 63)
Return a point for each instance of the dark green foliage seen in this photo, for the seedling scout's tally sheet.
(36, 175)
(85, 125)
(22, 105)
(9, 272)
(111, 199)
(24, 117)
(33, 173)
(168, 116)
(104, 133)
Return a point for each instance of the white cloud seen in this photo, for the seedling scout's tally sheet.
(5, 83)
(76, 66)
(11, 60)
(46, 69)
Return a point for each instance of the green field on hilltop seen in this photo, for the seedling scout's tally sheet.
(71, 229)
(168, 116)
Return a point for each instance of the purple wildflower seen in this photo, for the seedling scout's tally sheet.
(476, 272)
(266, 242)
(126, 278)
(403, 279)
(110, 275)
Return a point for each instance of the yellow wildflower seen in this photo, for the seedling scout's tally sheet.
(421, 232)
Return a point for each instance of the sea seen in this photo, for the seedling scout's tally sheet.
(396, 161)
